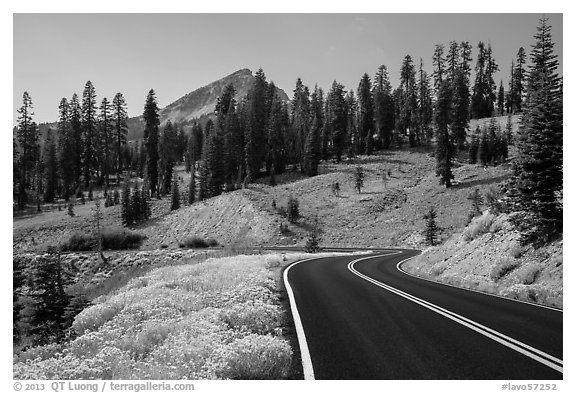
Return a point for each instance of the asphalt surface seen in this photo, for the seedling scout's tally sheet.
(358, 330)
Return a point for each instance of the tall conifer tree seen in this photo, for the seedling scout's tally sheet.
(536, 187)
(119, 119)
(444, 146)
(89, 132)
(151, 123)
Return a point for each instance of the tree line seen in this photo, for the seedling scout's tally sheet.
(261, 135)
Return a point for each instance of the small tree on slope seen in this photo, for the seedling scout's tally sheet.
(431, 230)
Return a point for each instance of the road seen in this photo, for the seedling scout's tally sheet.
(363, 318)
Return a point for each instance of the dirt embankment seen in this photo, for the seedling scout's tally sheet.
(487, 257)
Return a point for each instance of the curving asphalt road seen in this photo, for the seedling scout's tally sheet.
(363, 318)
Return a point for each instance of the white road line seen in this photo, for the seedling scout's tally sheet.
(302, 343)
(399, 267)
(516, 345)
(304, 352)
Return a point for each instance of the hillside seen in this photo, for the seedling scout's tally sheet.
(201, 102)
(487, 257)
(383, 214)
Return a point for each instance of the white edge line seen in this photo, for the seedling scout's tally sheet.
(399, 267)
(492, 334)
(302, 343)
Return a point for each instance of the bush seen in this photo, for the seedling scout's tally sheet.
(117, 239)
(479, 226)
(528, 274)
(79, 242)
(502, 268)
(112, 239)
(254, 357)
(293, 209)
(198, 242)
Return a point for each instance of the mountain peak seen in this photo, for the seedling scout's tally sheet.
(202, 102)
(243, 71)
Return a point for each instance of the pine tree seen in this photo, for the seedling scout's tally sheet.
(353, 139)
(300, 119)
(119, 123)
(135, 205)
(508, 133)
(145, 201)
(501, 100)
(452, 61)
(76, 138)
(439, 65)
(312, 148)
(39, 181)
(366, 115)
(476, 200)
(151, 121)
(518, 81)
(167, 147)
(335, 116)
(203, 190)
(49, 299)
(192, 187)
(98, 233)
(383, 107)
(293, 209)
(27, 134)
(175, 203)
(359, 179)
(484, 151)
(326, 135)
(424, 106)
(491, 69)
(465, 60)
(484, 90)
(444, 147)
(127, 217)
(215, 176)
(255, 138)
(536, 186)
(65, 149)
(474, 146)
(431, 231)
(105, 140)
(314, 237)
(18, 280)
(233, 136)
(493, 131)
(51, 168)
(275, 153)
(408, 104)
(459, 116)
(89, 132)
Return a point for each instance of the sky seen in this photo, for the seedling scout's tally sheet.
(55, 54)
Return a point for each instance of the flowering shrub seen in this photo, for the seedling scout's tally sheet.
(253, 357)
(216, 319)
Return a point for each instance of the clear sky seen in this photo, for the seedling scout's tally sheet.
(55, 54)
